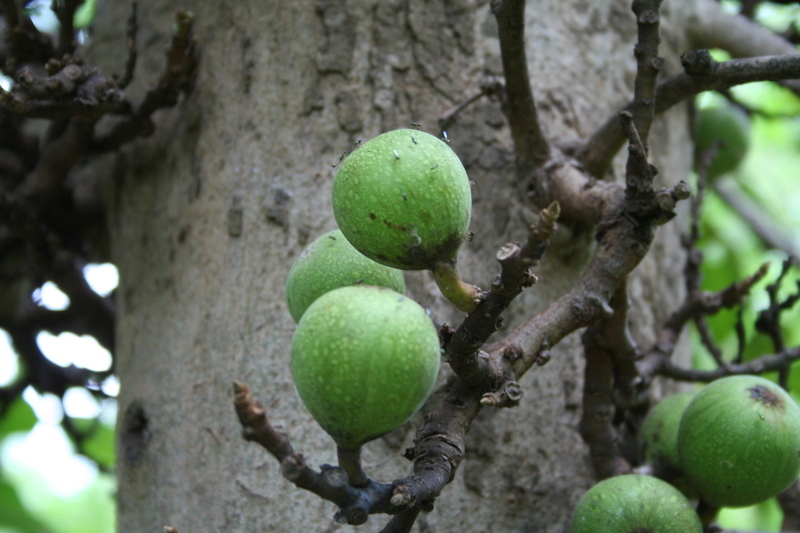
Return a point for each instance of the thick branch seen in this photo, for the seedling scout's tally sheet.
(472, 366)
(530, 146)
(606, 346)
(598, 151)
(439, 447)
(711, 27)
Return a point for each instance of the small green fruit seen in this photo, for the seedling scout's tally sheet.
(739, 441)
(658, 436)
(634, 504)
(403, 199)
(364, 360)
(331, 262)
(728, 124)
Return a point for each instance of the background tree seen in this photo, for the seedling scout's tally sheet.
(204, 206)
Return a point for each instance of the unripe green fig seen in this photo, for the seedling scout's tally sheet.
(739, 441)
(634, 504)
(731, 126)
(403, 199)
(364, 360)
(658, 435)
(331, 262)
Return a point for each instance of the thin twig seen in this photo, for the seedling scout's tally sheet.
(130, 64)
(598, 151)
(764, 363)
(648, 65)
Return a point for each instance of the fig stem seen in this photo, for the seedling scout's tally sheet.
(707, 513)
(461, 294)
(350, 462)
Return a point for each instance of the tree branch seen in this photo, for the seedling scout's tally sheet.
(177, 77)
(356, 504)
(696, 304)
(607, 347)
(462, 347)
(530, 145)
(764, 363)
(701, 73)
(648, 65)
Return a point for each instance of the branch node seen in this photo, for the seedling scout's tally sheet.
(402, 495)
(292, 466)
(698, 63)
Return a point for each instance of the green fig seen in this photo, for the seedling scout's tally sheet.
(364, 360)
(635, 504)
(403, 199)
(331, 262)
(658, 435)
(739, 441)
(727, 124)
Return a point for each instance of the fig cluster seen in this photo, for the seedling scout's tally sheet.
(365, 356)
(735, 443)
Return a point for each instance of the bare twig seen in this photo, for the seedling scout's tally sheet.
(764, 363)
(65, 11)
(356, 504)
(769, 322)
(402, 522)
(491, 88)
(177, 78)
(648, 65)
(130, 64)
(472, 366)
(706, 75)
(530, 145)
(697, 304)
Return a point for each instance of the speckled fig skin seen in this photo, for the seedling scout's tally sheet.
(739, 441)
(364, 360)
(658, 435)
(727, 124)
(635, 504)
(331, 262)
(403, 199)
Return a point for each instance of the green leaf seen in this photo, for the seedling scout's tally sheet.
(765, 516)
(13, 514)
(19, 417)
(84, 15)
(100, 446)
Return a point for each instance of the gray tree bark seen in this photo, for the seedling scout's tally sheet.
(209, 214)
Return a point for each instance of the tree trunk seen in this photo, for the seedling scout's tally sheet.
(209, 214)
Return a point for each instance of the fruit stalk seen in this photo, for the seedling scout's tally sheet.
(350, 462)
(461, 294)
(707, 513)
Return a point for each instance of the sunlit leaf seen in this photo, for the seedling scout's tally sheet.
(19, 417)
(84, 15)
(13, 514)
(766, 516)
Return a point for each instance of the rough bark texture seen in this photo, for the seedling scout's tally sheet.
(209, 214)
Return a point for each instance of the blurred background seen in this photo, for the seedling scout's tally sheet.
(57, 454)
